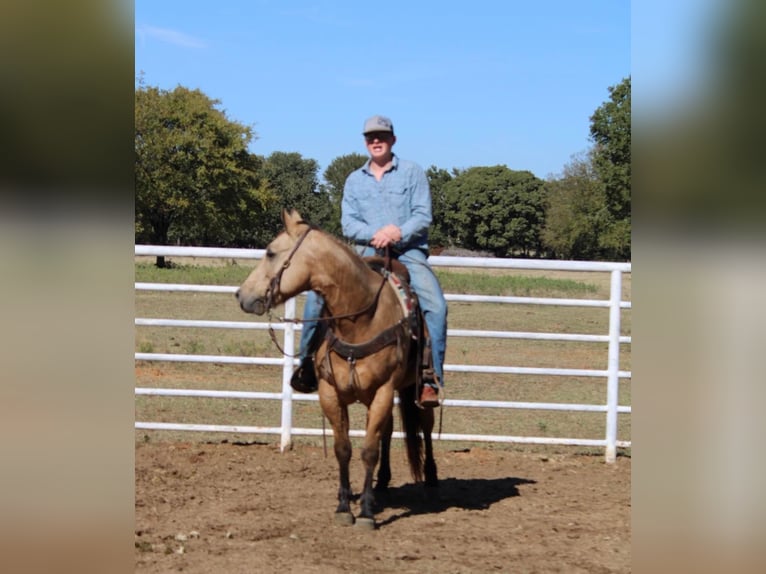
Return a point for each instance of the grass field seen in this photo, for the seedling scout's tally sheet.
(460, 350)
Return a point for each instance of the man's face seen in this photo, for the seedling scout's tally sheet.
(379, 143)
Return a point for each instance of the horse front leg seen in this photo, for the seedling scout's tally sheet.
(337, 414)
(343, 514)
(379, 417)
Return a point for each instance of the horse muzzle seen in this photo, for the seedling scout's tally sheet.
(255, 305)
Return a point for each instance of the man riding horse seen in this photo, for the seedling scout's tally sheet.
(387, 206)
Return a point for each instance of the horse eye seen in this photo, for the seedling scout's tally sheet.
(270, 254)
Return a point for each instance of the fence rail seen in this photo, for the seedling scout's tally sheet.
(612, 373)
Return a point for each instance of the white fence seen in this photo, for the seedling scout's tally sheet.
(612, 374)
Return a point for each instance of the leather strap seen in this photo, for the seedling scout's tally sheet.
(352, 352)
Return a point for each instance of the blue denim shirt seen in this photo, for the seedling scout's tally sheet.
(401, 197)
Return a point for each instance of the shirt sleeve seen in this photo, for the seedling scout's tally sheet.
(353, 224)
(416, 225)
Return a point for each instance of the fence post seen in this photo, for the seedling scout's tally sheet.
(287, 372)
(613, 368)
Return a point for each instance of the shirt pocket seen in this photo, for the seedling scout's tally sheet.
(398, 197)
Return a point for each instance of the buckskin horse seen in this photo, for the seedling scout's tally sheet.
(369, 353)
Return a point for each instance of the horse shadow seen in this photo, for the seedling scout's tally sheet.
(468, 494)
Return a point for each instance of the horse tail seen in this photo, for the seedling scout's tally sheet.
(412, 426)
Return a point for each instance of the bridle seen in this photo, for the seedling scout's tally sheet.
(275, 282)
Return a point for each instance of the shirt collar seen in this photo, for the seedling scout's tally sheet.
(394, 164)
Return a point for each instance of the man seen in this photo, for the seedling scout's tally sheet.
(387, 203)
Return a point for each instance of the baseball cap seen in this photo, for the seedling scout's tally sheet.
(378, 124)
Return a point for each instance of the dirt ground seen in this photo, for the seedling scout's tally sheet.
(230, 508)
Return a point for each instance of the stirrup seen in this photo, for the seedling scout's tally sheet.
(431, 392)
(429, 397)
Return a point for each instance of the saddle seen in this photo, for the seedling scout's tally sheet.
(412, 326)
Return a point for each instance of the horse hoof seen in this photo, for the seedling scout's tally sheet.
(365, 523)
(344, 518)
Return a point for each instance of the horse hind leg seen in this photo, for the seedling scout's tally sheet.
(379, 425)
(429, 465)
(412, 424)
(384, 468)
(419, 453)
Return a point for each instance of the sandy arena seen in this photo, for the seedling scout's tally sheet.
(230, 508)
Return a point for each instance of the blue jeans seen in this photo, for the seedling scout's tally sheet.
(430, 296)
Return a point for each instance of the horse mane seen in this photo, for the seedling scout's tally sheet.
(374, 262)
(340, 243)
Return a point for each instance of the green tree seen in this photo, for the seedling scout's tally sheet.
(495, 209)
(293, 181)
(610, 131)
(335, 180)
(439, 233)
(255, 205)
(193, 173)
(575, 216)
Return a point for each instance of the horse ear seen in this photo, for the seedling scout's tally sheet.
(291, 219)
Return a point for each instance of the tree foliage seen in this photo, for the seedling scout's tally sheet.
(495, 209)
(610, 132)
(197, 184)
(335, 180)
(293, 181)
(589, 205)
(195, 180)
(575, 214)
(439, 233)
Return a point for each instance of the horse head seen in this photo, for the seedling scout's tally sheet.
(281, 273)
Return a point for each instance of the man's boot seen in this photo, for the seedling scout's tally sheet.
(304, 379)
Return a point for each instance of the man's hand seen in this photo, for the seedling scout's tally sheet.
(386, 236)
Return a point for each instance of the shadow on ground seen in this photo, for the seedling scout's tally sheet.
(467, 494)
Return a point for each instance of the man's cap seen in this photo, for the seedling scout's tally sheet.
(378, 124)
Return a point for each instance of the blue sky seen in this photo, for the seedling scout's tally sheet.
(465, 83)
